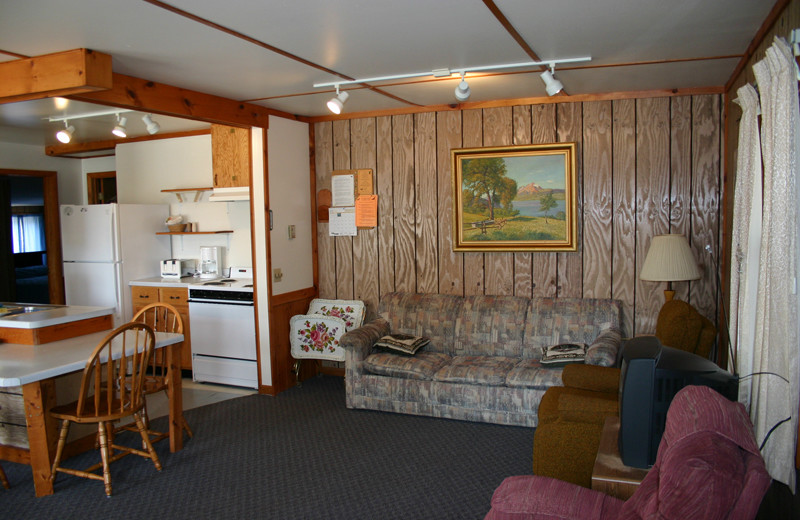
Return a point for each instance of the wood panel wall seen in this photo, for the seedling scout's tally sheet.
(645, 167)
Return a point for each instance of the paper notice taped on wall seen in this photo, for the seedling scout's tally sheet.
(343, 190)
(342, 222)
(366, 211)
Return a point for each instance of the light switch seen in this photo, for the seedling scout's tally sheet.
(292, 233)
(277, 274)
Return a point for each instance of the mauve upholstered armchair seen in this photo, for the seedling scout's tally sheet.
(708, 466)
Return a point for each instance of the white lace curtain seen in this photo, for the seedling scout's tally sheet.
(764, 305)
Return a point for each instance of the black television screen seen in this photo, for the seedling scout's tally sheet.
(651, 376)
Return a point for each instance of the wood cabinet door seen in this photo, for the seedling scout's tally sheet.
(178, 297)
(230, 156)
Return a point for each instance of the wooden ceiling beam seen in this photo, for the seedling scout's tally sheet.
(63, 150)
(59, 74)
(133, 93)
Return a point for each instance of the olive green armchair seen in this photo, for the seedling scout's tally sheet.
(571, 417)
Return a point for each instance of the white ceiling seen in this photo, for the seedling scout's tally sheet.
(368, 38)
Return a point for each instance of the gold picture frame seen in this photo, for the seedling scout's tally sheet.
(515, 198)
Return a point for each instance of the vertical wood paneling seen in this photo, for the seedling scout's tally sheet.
(498, 131)
(451, 264)
(705, 197)
(404, 226)
(385, 187)
(680, 175)
(344, 245)
(597, 194)
(472, 135)
(623, 242)
(523, 262)
(326, 252)
(570, 265)
(646, 167)
(652, 201)
(365, 244)
(425, 182)
(545, 265)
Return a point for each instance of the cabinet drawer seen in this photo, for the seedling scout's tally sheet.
(176, 296)
(142, 295)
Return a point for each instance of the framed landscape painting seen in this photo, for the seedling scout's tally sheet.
(515, 198)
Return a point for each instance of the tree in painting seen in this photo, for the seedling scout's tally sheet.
(546, 203)
(484, 182)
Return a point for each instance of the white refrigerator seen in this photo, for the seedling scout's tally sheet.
(105, 246)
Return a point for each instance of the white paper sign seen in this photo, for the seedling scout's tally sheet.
(343, 190)
(342, 222)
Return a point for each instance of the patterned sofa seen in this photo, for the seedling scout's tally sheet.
(483, 359)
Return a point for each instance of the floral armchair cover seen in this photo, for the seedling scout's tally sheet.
(316, 335)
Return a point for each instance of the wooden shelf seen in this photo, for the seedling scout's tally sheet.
(194, 232)
(179, 191)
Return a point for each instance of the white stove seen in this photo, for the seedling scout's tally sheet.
(223, 330)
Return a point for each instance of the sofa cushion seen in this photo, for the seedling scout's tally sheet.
(476, 370)
(430, 315)
(567, 320)
(529, 373)
(422, 366)
(491, 326)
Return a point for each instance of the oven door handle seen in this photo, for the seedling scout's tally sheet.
(223, 302)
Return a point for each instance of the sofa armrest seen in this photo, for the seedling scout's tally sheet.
(358, 342)
(591, 377)
(604, 350)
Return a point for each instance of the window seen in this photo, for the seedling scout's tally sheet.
(28, 233)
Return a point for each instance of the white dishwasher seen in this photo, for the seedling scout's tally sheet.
(223, 332)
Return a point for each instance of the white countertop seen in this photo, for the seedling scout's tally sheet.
(52, 315)
(157, 281)
(22, 364)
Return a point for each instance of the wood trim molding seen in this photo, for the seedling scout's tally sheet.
(57, 74)
(577, 98)
(61, 150)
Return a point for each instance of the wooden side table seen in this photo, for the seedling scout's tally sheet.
(609, 474)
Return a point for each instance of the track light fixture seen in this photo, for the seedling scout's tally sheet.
(120, 130)
(65, 135)
(551, 84)
(152, 126)
(462, 89)
(336, 104)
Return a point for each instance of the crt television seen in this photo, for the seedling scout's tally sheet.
(651, 375)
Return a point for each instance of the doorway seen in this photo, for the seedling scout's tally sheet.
(40, 267)
(102, 187)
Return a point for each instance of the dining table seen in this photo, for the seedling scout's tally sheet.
(35, 368)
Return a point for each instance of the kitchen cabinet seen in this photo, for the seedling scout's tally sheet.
(178, 297)
(230, 156)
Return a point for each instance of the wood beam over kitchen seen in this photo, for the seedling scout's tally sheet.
(59, 74)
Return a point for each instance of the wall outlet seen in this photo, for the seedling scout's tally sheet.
(277, 275)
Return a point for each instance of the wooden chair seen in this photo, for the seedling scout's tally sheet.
(162, 317)
(105, 397)
(3, 478)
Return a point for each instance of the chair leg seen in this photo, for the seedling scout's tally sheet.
(104, 455)
(62, 440)
(296, 370)
(3, 478)
(146, 439)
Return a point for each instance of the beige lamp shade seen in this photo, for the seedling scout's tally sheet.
(669, 259)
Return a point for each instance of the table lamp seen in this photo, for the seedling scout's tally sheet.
(669, 259)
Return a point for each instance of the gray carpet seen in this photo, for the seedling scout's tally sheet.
(300, 455)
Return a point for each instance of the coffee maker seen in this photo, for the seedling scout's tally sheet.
(210, 262)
